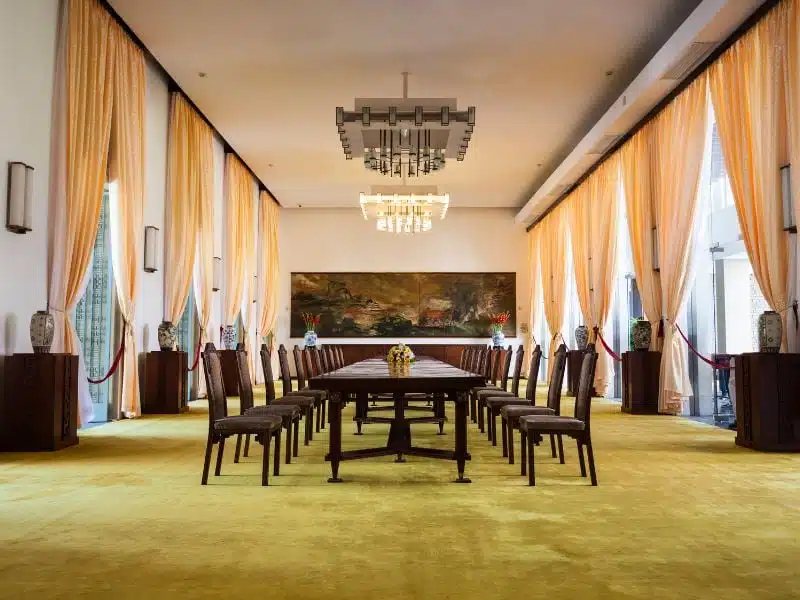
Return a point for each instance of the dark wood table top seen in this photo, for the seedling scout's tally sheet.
(376, 376)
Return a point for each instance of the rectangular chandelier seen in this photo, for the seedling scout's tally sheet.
(405, 209)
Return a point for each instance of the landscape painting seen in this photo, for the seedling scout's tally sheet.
(403, 304)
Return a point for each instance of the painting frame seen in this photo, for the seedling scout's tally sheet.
(402, 304)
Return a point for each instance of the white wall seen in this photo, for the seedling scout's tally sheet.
(150, 303)
(468, 240)
(27, 57)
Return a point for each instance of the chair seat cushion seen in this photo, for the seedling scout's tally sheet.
(550, 423)
(248, 424)
(500, 401)
(319, 394)
(282, 410)
(515, 411)
(301, 401)
(493, 393)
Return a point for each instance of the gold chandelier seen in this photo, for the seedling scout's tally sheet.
(406, 209)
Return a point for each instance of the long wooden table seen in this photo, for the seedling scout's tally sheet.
(375, 376)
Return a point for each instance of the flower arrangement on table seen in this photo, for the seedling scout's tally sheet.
(400, 355)
(311, 320)
(497, 322)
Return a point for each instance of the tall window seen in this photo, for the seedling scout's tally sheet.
(187, 342)
(93, 317)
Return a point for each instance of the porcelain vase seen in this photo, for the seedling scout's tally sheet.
(42, 329)
(167, 337)
(229, 337)
(310, 339)
(642, 334)
(582, 337)
(498, 339)
(770, 332)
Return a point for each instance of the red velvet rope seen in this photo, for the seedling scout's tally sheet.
(708, 361)
(613, 354)
(196, 358)
(114, 365)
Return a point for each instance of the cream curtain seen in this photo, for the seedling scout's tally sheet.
(127, 205)
(553, 255)
(592, 213)
(183, 210)
(534, 271)
(747, 88)
(680, 134)
(239, 213)
(638, 161)
(204, 261)
(82, 125)
(269, 269)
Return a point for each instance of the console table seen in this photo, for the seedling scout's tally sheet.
(641, 372)
(165, 382)
(39, 409)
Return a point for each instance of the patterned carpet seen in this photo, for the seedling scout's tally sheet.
(680, 513)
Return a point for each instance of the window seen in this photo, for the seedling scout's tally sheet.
(94, 317)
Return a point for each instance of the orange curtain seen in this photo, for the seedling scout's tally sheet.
(534, 271)
(553, 254)
(747, 88)
(238, 207)
(592, 211)
(82, 127)
(638, 161)
(182, 214)
(127, 205)
(793, 97)
(680, 132)
(269, 281)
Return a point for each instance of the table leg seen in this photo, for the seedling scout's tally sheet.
(335, 437)
(399, 430)
(461, 434)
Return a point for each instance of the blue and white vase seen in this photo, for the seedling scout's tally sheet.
(498, 339)
(582, 337)
(310, 339)
(229, 337)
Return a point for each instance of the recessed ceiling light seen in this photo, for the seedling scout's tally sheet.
(201, 74)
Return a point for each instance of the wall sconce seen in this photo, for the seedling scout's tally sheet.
(656, 265)
(216, 274)
(151, 249)
(789, 222)
(20, 195)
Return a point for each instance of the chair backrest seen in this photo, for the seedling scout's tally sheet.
(518, 360)
(462, 359)
(299, 367)
(583, 401)
(557, 379)
(476, 359)
(217, 402)
(505, 368)
(331, 358)
(533, 373)
(245, 383)
(315, 353)
(341, 356)
(323, 356)
(468, 351)
(269, 377)
(308, 363)
(488, 363)
(286, 375)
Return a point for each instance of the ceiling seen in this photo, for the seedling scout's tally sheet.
(537, 71)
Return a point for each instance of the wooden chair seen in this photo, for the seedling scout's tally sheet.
(289, 413)
(501, 390)
(221, 426)
(499, 384)
(301, 359)
(308, 402)
(462, 363)
(332, 361)
(577, 427)
(323, 355)
(490, 359)
(511, 413)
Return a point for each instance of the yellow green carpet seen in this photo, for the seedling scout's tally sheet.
(680, 513)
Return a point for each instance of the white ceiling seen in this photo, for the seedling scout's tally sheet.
(276, 70)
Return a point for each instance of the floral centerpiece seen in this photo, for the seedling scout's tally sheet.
(400, 355)
(311, 320)
(498, 321)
